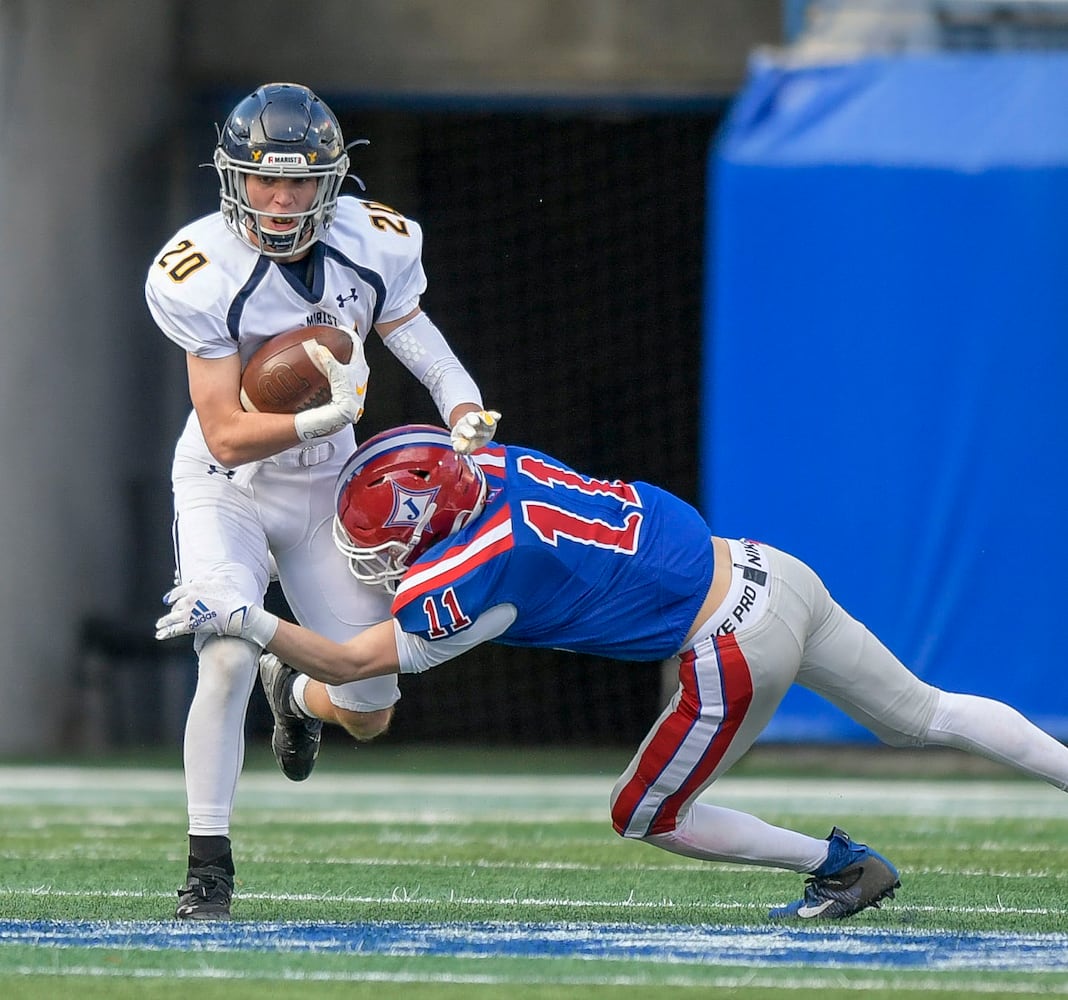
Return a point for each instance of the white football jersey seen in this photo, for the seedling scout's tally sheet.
(214, 296)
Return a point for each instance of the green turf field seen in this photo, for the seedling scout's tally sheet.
(428, 874)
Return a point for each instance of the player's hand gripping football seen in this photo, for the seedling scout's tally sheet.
(213, 606)
(473, 430)
(348, 387)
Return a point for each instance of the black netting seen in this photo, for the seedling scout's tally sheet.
(565, 257)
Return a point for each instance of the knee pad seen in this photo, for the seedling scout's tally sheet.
(227, 664)
(623, 815)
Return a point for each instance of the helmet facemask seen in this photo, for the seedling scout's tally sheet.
(246, 222)
(381, 565)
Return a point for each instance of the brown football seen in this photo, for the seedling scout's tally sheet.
(281, 376)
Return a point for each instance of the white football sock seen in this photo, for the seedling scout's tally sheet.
(993, 730)
(713, 833)
(300, 684)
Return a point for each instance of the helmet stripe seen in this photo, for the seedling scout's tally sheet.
(386, 443)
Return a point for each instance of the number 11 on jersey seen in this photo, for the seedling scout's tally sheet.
(439, 627)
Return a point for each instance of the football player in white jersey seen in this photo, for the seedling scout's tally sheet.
(253, 492)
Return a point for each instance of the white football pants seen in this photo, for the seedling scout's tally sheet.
(233, 523)
(778, 626)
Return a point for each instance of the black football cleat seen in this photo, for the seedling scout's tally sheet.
(296, 737)
(206, 894)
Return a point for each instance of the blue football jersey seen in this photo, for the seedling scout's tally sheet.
(595, 566)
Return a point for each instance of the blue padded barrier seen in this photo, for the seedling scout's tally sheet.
(886, 358)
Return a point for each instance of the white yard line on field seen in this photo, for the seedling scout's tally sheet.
(405, 897)
(380, 797)
(203, 970)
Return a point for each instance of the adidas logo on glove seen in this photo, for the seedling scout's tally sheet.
(201, 613)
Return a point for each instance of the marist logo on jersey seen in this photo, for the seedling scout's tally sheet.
(410, 507)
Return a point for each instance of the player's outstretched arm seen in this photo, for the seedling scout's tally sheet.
(372, 653)
(212, 606)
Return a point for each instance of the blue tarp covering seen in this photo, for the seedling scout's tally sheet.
(886, 383)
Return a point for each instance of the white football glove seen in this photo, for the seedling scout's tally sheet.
(473, 430)
(348, 387)
(212, 606)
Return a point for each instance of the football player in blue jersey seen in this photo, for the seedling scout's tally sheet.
(253, 491)
(511, 545)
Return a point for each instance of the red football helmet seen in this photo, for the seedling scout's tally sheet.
(399, 493)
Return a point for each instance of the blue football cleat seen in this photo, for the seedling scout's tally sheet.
(852, 878)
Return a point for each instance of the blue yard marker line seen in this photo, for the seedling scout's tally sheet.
(829, 947)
